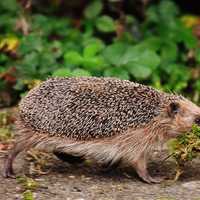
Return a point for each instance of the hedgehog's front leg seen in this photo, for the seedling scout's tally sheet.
(141, 168)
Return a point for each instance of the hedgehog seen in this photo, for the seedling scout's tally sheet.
(106, 119)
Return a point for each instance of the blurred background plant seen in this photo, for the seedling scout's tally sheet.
(152, 42)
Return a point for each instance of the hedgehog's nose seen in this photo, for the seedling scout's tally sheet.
(197, 121)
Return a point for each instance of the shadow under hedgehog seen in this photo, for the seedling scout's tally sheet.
(105, 119)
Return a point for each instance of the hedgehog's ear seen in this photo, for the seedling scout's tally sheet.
(173, 109)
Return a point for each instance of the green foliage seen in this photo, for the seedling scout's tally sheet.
(153, 51)
(93, 9)
(28, 185)
(28, 195)
(185, 148)
(105, 24)
(8, 11)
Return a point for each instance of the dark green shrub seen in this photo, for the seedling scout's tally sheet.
(153, 51)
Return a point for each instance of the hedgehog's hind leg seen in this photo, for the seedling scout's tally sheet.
(24, 143)
(8, 165)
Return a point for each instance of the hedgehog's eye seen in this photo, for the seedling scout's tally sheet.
(173, 108)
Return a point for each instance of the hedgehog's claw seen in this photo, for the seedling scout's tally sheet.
(145, 177)
(148, 179)
(156, 179)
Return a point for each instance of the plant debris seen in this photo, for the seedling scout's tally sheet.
(39, 162)
(6, 121)
(185, 148)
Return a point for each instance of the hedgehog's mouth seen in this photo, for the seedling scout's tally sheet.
(173, 134)
(176, 134)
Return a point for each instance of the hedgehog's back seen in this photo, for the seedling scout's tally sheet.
(85, 108)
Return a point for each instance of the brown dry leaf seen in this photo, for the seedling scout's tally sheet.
(196, 31)
(120, 28)
(23, 25)
(6, 146)
(2, 147)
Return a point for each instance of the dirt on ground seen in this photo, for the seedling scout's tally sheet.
(87, 181)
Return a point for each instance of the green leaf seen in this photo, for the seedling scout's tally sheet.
(186, 35)
(117, 72)
(169, 52)
(138, 70)
(73, 58)
(120, 54)
(152, 14)
(30, 61)
(28, 195)
(30, 43)
(19, 85)
(2, 69)
(105, 24)
(47, 60)
(80, 72)
(197, 55)
(130, 19)
(62, 72)
(93, 63)
(139, 63)
(3, 58)
(178, 77)
(151, 43)
(114, 53)
(9, 5)
(90, 40)
(169, 68)
(132, 53)
(148, 58)
(41, 23)
(168, 10)
(56, 49)
(92, 49)
(93, 10)
(197, 85)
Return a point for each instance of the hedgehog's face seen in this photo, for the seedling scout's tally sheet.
(183, 114)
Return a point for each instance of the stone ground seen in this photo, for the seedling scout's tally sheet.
(88, 182)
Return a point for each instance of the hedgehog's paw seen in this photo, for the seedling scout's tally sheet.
(8, 171)
(144, 175)
(141, 169)
(8, 174)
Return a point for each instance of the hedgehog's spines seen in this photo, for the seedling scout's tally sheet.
(86, 108)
